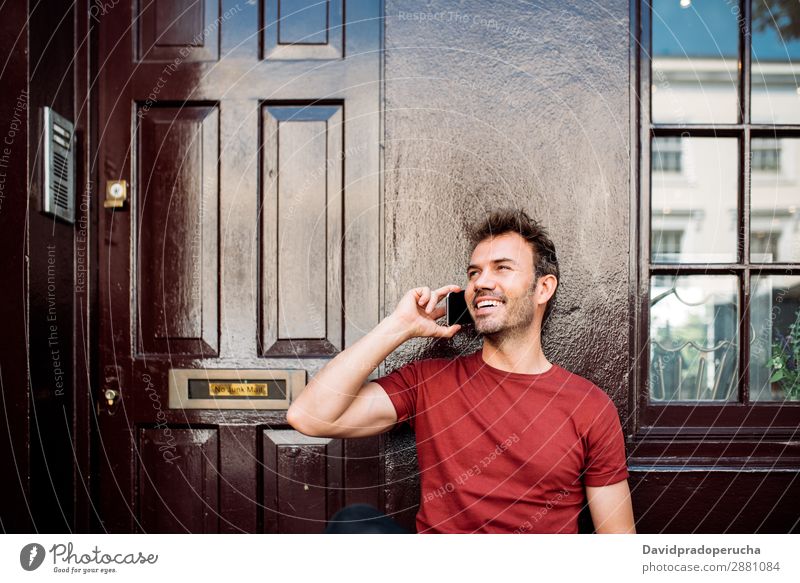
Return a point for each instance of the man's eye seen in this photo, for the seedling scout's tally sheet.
(504, 267)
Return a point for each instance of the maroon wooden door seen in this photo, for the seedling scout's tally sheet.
(248, 136)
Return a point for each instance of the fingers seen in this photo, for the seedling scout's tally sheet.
(447, 331)
(435, 297)
(448, 288)
(438, 313)
(424, 294)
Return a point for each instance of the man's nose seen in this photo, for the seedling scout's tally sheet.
(484, 281)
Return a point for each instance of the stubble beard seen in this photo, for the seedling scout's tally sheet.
(520, 313)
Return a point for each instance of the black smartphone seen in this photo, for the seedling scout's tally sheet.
(456, 306)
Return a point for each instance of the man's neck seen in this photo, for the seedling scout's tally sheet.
(518, 354)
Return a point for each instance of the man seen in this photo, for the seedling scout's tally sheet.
(506, 440)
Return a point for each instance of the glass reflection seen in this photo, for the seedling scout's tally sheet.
(693, 338)
(775, 77)
(775, 195)
(775, 338)
(303, 22)
(694, 200)
(695, 61)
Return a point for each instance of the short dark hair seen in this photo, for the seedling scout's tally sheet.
(506, 220)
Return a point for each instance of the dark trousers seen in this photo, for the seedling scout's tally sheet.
(362, 519)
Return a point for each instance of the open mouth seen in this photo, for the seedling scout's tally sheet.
(485, 307)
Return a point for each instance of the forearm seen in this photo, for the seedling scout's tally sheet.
(328, 395)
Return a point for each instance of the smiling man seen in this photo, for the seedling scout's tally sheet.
(506, 440)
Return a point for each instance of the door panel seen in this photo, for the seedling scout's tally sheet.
(302, 480)
(304, 29)
(250, 240)
(183, 496)
(303, 209)
(178, 230)
(167, 27)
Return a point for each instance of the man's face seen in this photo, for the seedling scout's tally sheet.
(500, 288)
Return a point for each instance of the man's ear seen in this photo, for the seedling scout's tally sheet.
(549, 285)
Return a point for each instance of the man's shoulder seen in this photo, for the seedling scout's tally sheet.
(424, 367)
(441, 364)
(589, 391)
(437, 372)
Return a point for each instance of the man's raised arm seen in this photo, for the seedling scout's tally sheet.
(337, 402)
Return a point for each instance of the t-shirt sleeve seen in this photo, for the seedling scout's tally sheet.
(402, 385)
(605, 461)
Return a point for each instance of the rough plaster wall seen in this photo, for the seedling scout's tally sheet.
(515, 104)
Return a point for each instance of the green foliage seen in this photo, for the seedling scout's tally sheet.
(783, 364)
(783, 15)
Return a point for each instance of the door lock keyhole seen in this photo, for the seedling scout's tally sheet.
(111, 396)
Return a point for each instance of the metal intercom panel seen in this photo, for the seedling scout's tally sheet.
(59, 166)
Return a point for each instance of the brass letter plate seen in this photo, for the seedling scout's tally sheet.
(234, 388)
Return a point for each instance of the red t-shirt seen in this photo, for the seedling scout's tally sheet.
(505, 452)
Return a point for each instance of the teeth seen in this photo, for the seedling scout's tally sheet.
(485, 303)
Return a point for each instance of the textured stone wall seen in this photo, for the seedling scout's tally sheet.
(510, 104)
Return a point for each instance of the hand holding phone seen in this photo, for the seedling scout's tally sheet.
(456, 309)
(417, 313)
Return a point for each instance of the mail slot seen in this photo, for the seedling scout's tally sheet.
(222, 390)
(234, 388)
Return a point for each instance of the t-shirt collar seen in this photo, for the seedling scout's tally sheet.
(481, 365)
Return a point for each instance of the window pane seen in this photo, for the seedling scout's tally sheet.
(693, 338)
(668, 154)
(694, 200)
(775, 195)
(776, 62)
(695, 61)
(775, 338)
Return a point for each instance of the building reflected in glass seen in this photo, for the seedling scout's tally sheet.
(697, 76)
